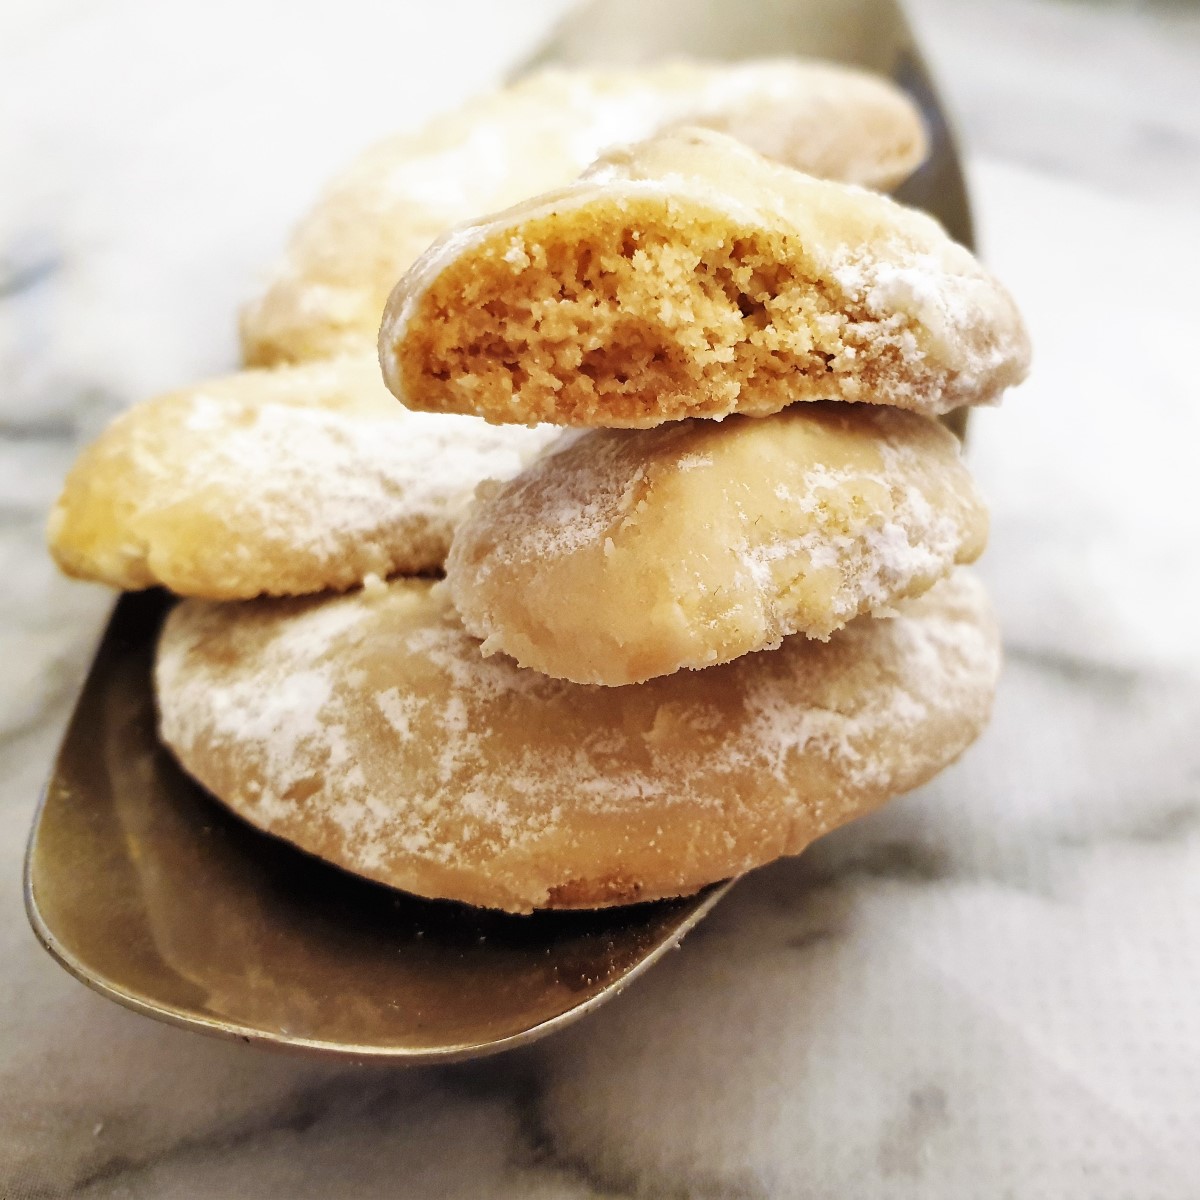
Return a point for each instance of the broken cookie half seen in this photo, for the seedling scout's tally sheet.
(688, 276)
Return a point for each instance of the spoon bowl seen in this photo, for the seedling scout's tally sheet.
(146, 889)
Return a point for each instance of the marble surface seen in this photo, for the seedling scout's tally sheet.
(989, 989)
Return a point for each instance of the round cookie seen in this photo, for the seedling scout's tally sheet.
(275, 482)
(629, 554)
(326, 295)
(368, 730)
(689, 276)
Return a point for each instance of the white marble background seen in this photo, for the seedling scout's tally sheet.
(991, 988)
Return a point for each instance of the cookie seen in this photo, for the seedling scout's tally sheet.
(275, 482)
(327, 294)
(367, 729)
(689, 276)
(632, 553)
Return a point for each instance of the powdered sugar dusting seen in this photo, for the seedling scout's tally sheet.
(325, 478)
(295, 480)
(896, 545)
(558, 509)
(928, 301)
(433, 755)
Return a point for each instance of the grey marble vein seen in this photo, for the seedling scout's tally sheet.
(1111, 678)
(19, 277)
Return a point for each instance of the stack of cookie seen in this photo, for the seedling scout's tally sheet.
(721, 617)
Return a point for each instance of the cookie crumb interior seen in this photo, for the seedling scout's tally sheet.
(625, 312)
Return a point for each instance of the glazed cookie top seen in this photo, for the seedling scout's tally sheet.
(327, 293)
(633, 553)
(275, 482)
(689, 276)
(367, 729)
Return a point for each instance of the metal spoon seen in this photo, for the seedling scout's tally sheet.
(153, 895)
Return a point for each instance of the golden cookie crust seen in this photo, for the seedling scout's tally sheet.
(630, 554)
(368, 729)
(689, 276)
(276, 482)
(326, 295)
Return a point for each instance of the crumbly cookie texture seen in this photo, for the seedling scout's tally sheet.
(688, 276)
(367, 729)
(634, 553)
(275, 482)
(326, 295)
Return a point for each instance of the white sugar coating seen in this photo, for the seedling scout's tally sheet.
(963, 320)
(627, 554)
(368, 729)
(319, 478)
(327, 293)
(277, 482)
(916, 540)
